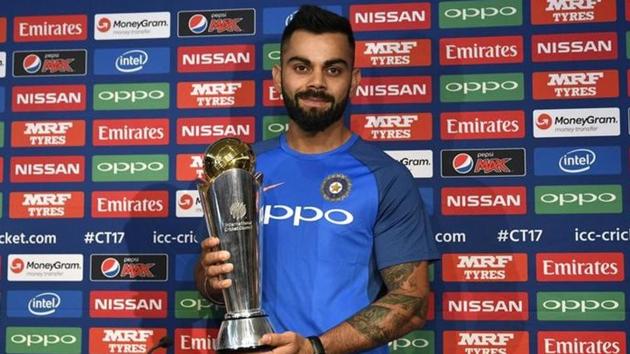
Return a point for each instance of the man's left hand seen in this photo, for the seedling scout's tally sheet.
(287, 343)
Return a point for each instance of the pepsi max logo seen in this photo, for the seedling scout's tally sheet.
(110, 267)
(198, 24)
(577, 161)
(129, 267)
(44, 304)
(463, 163)
(483, 163)
(32, 63)
(239, 22)
(131, 61)
(49, 63)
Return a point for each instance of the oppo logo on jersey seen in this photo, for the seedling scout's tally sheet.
(299, 214)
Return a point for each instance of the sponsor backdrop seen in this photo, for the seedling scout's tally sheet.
(512, 115)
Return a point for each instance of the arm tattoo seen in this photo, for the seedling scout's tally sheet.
(367, 322)
(397, 276)
(405, 302)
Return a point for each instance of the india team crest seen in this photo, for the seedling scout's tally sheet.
(336, 187)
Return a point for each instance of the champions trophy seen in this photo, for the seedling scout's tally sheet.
(231, 195)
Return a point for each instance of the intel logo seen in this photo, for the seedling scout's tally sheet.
(131, 61)
(44, 304)
(577, 161)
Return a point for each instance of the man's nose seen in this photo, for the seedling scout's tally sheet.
(317, 80)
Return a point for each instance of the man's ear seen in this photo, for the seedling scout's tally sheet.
(276, 73)
(355, 81)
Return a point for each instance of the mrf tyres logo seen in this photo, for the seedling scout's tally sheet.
(49, 63)
(485, 306)
(486, 342)
(483, 163)
(129, 267)
(484, 267)
(139, 25)
(53, 340)
(579, 199)
(45, 267)
(216, 94)
(109, 97)
(46, 205)
(498, 200)
(579, 122)
(482, 13)
(568, 85)
(189, 167)
(580, 267)
(129, 168)
(558, 12)
(213, 23)
(390, 17)
(393, 126)
(581, 306)
(393, 53)
(51, 133)
(129, 340)
(481, 87)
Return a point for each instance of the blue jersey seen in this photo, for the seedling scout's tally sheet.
(331, 222)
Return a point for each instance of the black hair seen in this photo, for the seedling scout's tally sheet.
(316, 20)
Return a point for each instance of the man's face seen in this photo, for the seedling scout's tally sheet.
(316, 78)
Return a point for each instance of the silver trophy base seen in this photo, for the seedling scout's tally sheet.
(243, 334)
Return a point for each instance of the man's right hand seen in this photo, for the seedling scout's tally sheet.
(214, 264)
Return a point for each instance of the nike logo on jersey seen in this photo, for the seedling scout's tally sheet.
(272, 186)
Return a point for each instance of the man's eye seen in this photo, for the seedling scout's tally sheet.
(300, 68)
(334, 71)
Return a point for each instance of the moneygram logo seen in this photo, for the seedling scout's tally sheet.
(189, 167)
(44, 304)
(482, 125)
(574, 46)
(579, 122)
(414, 342)
(139, 25)
(568, 85)
(482, 13)
(497, 200)
(418, 162)
(391, 17)
(507, 342)
(483, 163)
(50, 28)
(216, 58)
(45, 267)
(131, 96)
(485, 306)
(558, 12)
(579, 199)
(393, 53)
(216, 94)
(393, 126)
(195, 340)
(129, 267)
(130, 204)
(188, 204)
(484, 267)
(46, 205)
(43, 340)
(129, 168)
(124, 132)
(190, 304)
(591, 160)
(109, 340)
(49, 63)
(132, 61)
(205, 23)
(581, 342)
(481, 87)
(273, 126)
(393, 89)
(481, 50)
(47, 169)
(128, 304)
(581, 306)
(52, 133)
(48, 98)
(580, 267)
(209, 130)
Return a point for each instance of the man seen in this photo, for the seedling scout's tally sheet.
(341, 219)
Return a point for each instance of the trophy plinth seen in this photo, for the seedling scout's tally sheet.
(231, 197)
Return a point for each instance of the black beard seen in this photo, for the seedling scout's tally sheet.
(313, 120)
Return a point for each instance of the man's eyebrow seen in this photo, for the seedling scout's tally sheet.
(298, 58)
(326, 63)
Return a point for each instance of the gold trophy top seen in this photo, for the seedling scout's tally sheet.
(228, 153)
